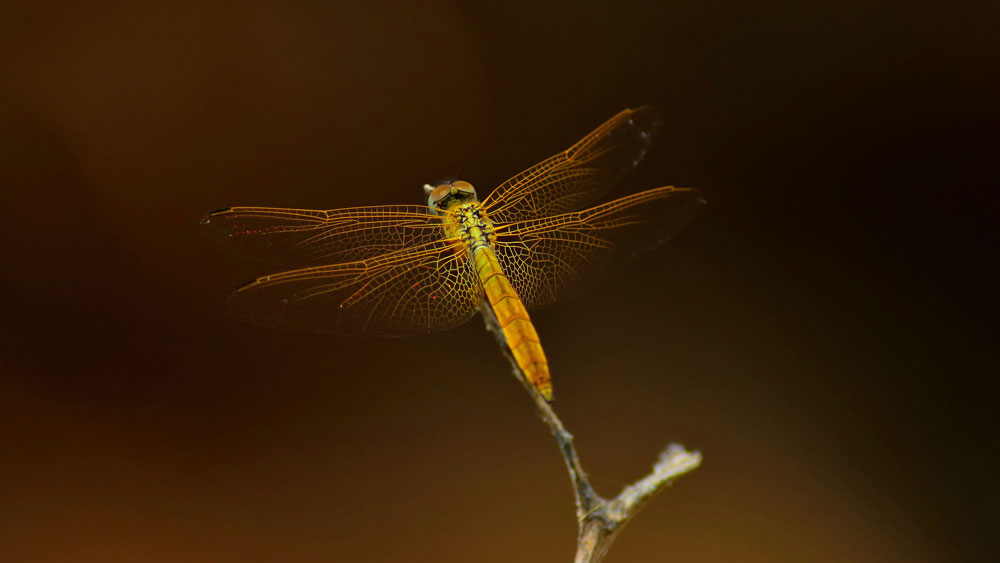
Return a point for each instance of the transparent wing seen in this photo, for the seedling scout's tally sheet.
(581, 174)
(422, 289)
(304, 236)
(548, 259)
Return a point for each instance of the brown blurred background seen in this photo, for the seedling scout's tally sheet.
(822, 334)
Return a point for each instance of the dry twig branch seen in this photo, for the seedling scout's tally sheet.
(599, 519)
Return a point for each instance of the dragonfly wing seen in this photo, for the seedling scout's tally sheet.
(581, 174)
(548, 259)
(304, 236)
(424, 289)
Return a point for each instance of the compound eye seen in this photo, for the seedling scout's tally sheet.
(464, 186)
(438, 193)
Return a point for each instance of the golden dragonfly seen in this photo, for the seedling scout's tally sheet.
(402, 269)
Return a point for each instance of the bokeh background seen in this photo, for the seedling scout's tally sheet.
(823, 334)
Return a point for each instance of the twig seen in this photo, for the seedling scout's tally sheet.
(599, 519)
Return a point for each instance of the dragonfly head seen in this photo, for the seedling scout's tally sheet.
(445, 196)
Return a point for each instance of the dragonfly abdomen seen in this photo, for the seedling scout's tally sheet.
(514, 321)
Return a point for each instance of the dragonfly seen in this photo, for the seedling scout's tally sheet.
(395, 270)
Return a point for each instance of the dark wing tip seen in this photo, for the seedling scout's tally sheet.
(249, 285)
(208, 218)
(252, 303)
(649, 119)
(688, 203)
(695, 197)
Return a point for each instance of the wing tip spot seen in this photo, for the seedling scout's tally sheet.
(251, 283)
(216, 213)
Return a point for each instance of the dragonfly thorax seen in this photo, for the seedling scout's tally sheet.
(448, 195)
(471, 225)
